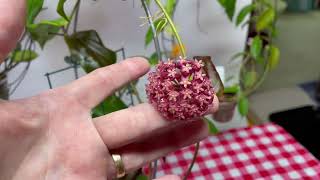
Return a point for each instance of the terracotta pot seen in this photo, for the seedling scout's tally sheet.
(4, 90)
(225, 112)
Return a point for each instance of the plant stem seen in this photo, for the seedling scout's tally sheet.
(154, 31)
(175, 32)
(193, 160)
(75, 23)
(74, 10)
(259, 82)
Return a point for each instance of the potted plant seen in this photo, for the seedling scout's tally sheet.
(259, 57)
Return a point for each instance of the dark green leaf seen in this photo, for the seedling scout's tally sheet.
(89, 44)
(153, 60)
(109, 105)
(230, 6)
(212, 128)
(33, 9)
(24, 56)
(243, 13)
(274, 55)
(250, 78)
(243, 105)
(222, 2)
(232, 89)
(265, 19)
(256, 47)
(60, 9)
(170, 5)
(142, 177)
(42, 33)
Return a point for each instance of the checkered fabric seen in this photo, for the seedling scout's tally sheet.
(259, 152)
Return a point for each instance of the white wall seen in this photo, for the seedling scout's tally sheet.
(118, 24)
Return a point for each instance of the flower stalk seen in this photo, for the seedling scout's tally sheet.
(197, 146)
(175, 32)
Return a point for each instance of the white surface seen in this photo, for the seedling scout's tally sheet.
(118, 24)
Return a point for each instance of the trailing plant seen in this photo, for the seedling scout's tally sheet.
(260, 55)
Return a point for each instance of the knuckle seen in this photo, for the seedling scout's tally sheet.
(28, 116)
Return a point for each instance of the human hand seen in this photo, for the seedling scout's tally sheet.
(52, 135)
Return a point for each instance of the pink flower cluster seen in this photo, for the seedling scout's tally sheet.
(180, 90)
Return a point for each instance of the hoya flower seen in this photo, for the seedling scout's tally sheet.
(180, 89)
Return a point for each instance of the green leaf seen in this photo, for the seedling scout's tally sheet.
(222, 2)
(153, 60)
(45, 30)
(243, 13)
(89, 44)
(148, 37)
(56, 22)
(212, 128)
(159, 25)
(142, 177)
(256, 47)
(243, 105)
(230, 8)
(250, 78)
(33, 9)
(148, 2)
(274, 55)
(170, 5)
(265, 19)
(24, 56)
(42, 33)
(60, 9)
(232, 89)
(109, 105)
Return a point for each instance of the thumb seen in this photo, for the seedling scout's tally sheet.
(12, 18)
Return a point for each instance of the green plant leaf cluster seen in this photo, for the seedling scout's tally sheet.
(89, 44)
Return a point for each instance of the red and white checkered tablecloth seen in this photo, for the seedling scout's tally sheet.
(260, 152)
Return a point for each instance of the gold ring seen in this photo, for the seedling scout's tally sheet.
(120, 171)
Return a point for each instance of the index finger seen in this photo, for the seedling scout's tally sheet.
(91, 89)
